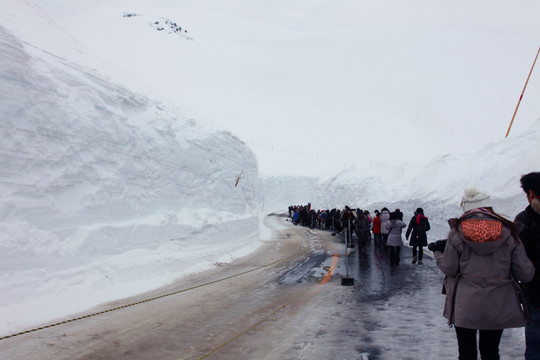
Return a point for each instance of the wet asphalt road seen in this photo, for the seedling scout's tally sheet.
(391, 311)
(378, 279)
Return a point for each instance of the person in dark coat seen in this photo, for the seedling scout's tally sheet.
(304, 216)
(370, 221)
(347, 223)
(418, 226)
(530, 235)
(337, 220)
(361, 227)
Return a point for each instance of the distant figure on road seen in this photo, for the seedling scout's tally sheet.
(418, 226)
(482, 259)
(377, 239)
(395, 227)
(385, 218)
(295, 217)
(370, 221)
(361, 228)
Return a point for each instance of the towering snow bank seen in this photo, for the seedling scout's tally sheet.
(104, 192)
(282, 191)
(437, 186)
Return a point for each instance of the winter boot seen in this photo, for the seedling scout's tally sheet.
(420, 262)
(414, 260)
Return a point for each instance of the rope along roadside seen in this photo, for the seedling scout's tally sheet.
(142, 301)
(324, 280)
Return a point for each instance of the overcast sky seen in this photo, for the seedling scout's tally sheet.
(314, 86)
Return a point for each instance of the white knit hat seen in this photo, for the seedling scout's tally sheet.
(474, 198)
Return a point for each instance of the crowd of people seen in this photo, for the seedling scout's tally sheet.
(489, 262)
(384, 227)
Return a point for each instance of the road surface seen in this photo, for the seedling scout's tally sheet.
(285, 301)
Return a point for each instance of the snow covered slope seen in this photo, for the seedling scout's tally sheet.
(282, 191)
(105, 192)
(438, 184)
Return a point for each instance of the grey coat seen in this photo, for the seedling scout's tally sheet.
(394, 236)
(482, 261)
(361, 223)
(385, 218)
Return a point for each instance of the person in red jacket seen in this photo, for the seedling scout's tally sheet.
(377, 239)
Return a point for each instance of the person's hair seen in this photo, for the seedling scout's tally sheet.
(394, 215)
(531, 181)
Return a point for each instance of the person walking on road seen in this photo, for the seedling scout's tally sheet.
(370, 221)
(347, 223)
(395, 227)
(418, 226)
(530, 235)
(385, 218)
(295, 217)
(377, 240)
(482, 259)
(361, 227)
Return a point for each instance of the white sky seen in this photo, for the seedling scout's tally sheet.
(312, 86)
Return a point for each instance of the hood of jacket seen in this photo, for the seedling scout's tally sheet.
(482, 232)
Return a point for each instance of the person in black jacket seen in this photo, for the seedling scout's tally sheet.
(530, 235)
(418, 226)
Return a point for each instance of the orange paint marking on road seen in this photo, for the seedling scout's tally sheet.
(326, 278)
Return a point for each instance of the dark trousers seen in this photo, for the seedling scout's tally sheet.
(488, 344)
(394, 254)
(362, 238)
(384, 240)
(532, 333)
(377, 239)
(420, 251)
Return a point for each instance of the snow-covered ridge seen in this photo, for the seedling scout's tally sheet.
(161, 24)
(438, 184)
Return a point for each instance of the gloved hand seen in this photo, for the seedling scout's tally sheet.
(438, 245)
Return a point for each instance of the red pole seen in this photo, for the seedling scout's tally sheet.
(521, 97)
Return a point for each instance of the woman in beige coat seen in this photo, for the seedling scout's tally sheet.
(483, 259)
